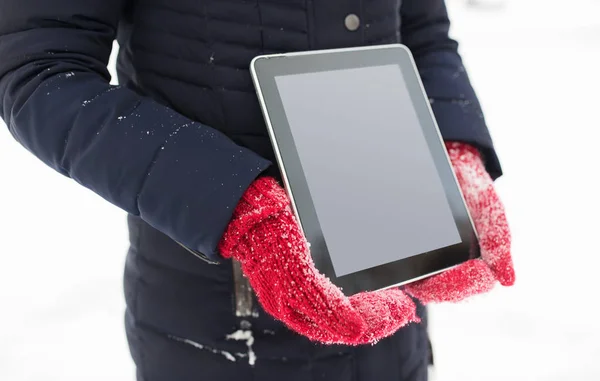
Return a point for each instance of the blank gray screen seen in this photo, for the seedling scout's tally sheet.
(373, 182)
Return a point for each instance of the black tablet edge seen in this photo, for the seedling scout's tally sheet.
(404, 270)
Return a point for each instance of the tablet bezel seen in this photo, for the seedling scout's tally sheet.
(265, 68)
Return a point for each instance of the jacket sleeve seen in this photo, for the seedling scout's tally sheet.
(425, 31)
(180, 176)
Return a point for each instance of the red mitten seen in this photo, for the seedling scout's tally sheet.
(265, 237)
(478, 275)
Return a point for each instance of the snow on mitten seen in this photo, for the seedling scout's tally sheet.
(477, 275)
(274, 255)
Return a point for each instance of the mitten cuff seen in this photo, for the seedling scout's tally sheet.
(263, 198)
(458, 151)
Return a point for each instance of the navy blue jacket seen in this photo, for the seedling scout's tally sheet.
(177, 143)
(182, 174)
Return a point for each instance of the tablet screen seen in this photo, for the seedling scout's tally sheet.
(357, 129)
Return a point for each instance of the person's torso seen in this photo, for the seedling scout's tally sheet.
(194, 56)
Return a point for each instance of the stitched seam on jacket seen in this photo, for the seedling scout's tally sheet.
(210, 18)
(145, 50)
(173, 78)
(187, 82)
(251, 49)
(182, 59)
(199, 39)
(163, 7)
(233, 45)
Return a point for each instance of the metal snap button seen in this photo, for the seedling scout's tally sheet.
(352, 22)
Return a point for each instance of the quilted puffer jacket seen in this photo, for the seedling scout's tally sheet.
(176, 144)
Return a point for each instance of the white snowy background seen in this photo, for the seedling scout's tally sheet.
(535, 65)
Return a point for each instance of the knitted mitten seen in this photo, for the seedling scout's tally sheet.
(478, 275)
(266, 239)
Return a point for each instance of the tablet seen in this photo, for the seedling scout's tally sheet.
(364, 165)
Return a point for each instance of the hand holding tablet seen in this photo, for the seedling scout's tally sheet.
(477, 275)
(364, 165)
(266, 239)
(370, 188)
